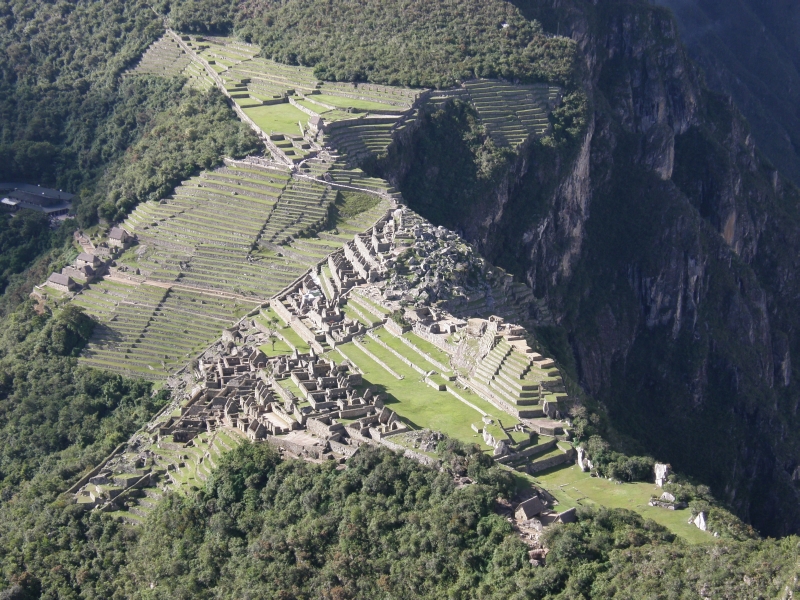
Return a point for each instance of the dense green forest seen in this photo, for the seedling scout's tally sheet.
(429, 43)
(384, 527)
(68, 118)
(56, 418)
(27, 235)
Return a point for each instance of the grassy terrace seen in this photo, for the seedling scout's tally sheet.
(345, 102)
(277, 118)
(267, 314)
(327, 113)
(428, 348)
(367, 301)
(163, 57)
(395, 96)
(189, 467)
(205, 233)
(512, 113)
(415, 401)
(571, 487)
(359, 140)
(151, 331)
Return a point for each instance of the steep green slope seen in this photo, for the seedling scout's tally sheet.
(428, 43)
(66, 116)
(56, 418)
(384, 527)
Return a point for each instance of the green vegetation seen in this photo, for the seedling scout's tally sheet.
(277, 118)
(571, 487)
(56, 418)
(344, 102)
(194, 134)
(66, 121)
(24, 239)
(264, 528)
(420, 405)
(432, 44)
(65, 118)
(350, 204)
(454, 165)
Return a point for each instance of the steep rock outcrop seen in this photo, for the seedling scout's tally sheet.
(666, 249)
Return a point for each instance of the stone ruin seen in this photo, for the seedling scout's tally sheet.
(412, 270)
(662, 471)
(314, 317)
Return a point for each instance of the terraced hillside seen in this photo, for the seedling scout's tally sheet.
(510, 113)
(209, 232)
(223, 243)
(166, 58)
(299, 115)
(522, 381)
(150, 331)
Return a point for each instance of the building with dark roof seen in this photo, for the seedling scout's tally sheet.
(61, 282)
(34, 197)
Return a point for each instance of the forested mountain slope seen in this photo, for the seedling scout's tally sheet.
(661, 244)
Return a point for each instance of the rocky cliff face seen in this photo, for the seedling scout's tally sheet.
(751, 50)
(666, 249)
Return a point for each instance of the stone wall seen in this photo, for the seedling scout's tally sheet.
(302, 108)
(344, 449)
(408, 453)
(549, 463)
(83, 480)
(294, 448)
(395, 328)
(436, 340)
(281, 310)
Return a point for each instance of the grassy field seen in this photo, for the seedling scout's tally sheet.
(572, 487)
(343, 102)
(277, 118)
(415, 401)
(279, 349)
(285, 330)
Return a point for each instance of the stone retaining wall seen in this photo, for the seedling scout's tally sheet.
(395, 329)
(298, 449)
(302, 108)
(464, 400)
(549, 463)
(408, 453)
(84, 480)
(405, 360)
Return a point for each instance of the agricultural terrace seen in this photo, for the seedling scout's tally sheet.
(221, 244)
(356, 120)
(181, 466)
(166, 58)
(219, 230)
(150, 331)
(274, 119)
(417, 402)
(512, 113)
